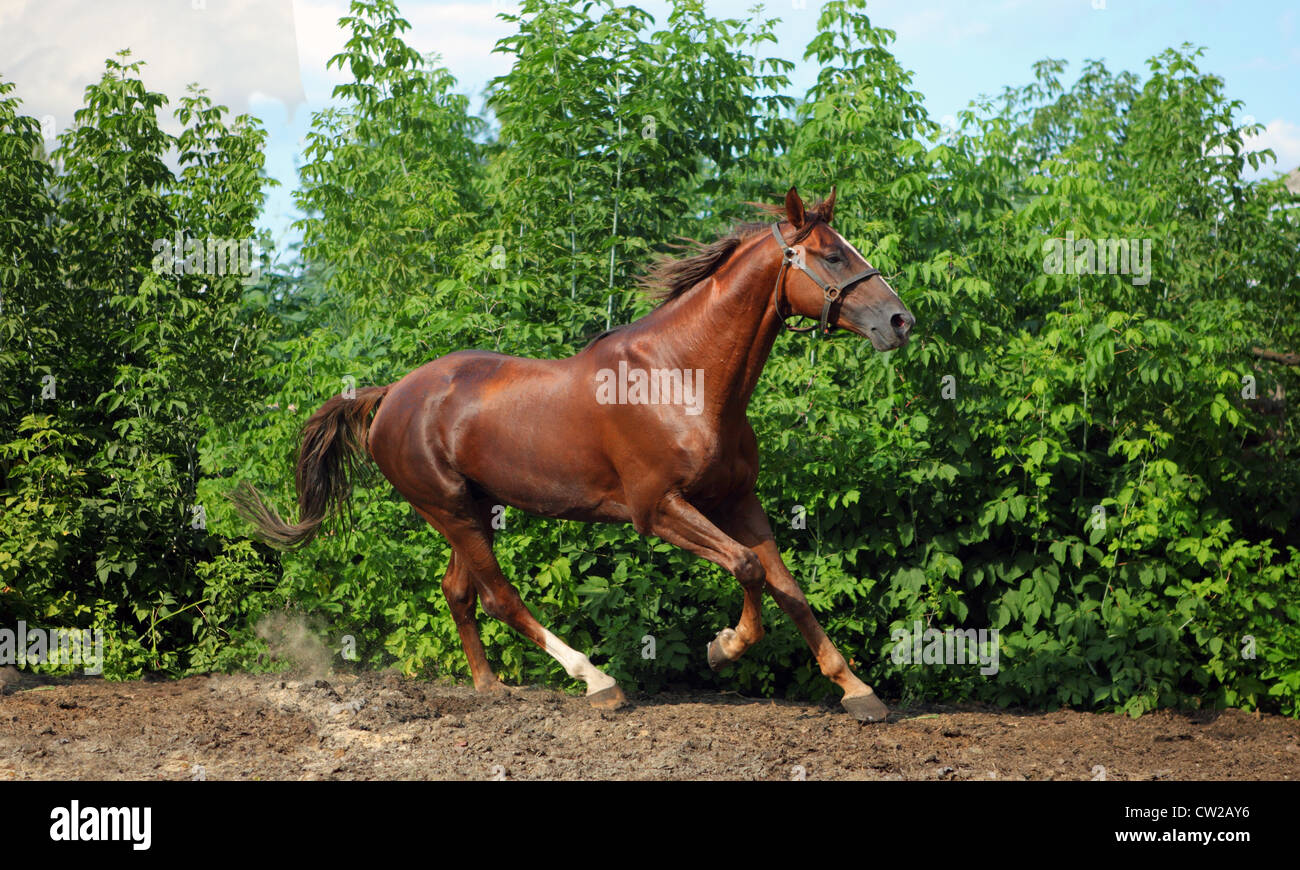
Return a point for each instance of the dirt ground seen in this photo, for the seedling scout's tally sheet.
(382, 726)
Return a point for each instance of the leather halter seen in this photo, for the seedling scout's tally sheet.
(832, 291)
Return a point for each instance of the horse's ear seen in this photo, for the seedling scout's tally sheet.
(794, 208)
(828, 207)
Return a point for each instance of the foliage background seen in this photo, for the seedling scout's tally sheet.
(431, 230)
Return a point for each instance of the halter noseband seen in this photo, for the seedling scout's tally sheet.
(832, 291)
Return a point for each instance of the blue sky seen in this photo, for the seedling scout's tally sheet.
(268, 56)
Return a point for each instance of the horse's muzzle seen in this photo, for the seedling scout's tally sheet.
(889, 332)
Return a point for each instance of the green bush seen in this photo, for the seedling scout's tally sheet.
(1094, 464)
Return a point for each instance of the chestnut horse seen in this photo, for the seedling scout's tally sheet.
(646, 425)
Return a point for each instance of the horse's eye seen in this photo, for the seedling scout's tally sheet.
(834, 258)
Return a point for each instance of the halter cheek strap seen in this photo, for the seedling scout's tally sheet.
(831, 290)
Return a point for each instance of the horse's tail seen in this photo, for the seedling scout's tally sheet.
(333, 445)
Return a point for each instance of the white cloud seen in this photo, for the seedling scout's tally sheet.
(319, 38)
(234, 48)
(462, 34)
(1284, 138)
(243, 51)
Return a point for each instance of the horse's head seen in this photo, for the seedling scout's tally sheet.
(865, 304)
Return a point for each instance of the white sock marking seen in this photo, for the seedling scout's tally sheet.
(577, 665)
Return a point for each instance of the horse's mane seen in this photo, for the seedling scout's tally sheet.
(670, 277)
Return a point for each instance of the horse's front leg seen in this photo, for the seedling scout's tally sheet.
(749, 525)
(679, 523)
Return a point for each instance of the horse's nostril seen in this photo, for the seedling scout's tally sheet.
(901, 323)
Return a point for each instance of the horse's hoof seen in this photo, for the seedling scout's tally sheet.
(496, 687)
(718, 658)
(608, 699)
(866, 708)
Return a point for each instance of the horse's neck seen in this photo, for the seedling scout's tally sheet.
(723, 326)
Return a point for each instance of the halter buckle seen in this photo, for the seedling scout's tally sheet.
(833, 292)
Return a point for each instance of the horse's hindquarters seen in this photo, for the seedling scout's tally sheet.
(502, 429)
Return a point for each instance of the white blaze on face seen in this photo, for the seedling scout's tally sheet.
(864, 259)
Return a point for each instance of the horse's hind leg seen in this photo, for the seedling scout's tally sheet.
(471, 543)
(462, 600)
